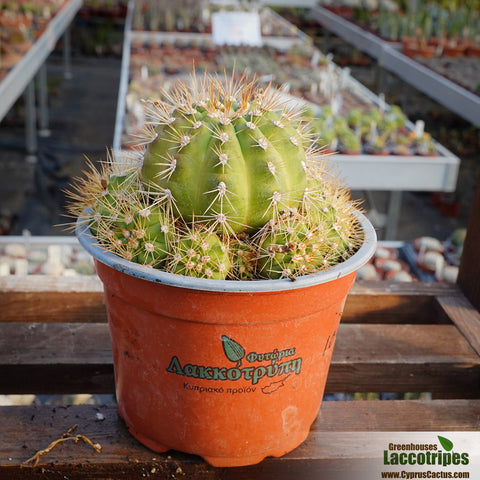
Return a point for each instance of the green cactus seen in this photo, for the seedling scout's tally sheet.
(349, 142)
(289, 247)
(132, 227)
(396, 113)
(354, 117)
(154, 232)
(200, 253)
(229, 156)
(230, 186)
(330, 212)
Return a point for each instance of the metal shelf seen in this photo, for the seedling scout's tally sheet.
(124, 78)
(444, 91)
(365, 41)
(395, 172)
(391, 172)
(18, 78)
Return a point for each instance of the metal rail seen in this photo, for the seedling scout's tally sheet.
(124, 77)
(18, 78)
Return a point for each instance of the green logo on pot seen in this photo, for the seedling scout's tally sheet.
(233, 350)
(276, 363)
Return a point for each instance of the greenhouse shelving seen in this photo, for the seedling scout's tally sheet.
(363, 40)
(389, 57)
(449, 94)
(21, 77)
(393, 173)
(130, 34)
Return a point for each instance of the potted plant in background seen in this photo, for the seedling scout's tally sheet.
(350, 144)
(226, 250)
(425, 145)
(377, 145)
(354, 119)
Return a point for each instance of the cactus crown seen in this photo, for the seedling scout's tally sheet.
(228, 185)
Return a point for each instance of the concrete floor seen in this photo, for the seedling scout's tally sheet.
(82, 115)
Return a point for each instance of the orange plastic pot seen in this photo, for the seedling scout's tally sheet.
(233, 371)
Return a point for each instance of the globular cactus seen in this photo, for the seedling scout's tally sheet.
(154, 232)
(298, 243)
(200, 253)
(230, 155)
(228, 185)
(289, 247)
(123, 218)
(331, 212)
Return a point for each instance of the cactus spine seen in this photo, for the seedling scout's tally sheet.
(229, 186)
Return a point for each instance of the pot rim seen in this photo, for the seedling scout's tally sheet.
(352, 264)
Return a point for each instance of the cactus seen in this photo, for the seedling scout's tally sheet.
(228, 186)
(229, 156)
(200, 253)
(354, 117)
(349, 142)
(290, 247)
(244, 256)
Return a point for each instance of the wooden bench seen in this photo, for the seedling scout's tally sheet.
(394, 337)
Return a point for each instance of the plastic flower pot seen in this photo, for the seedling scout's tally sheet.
(233, 371)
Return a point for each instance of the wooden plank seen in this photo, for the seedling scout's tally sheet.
(396, 302)
(469, 273)
(80, 299)
(339, 442)
(68, 358)
(43, 298)
(55, 358)
(464, 316)
(403, 358)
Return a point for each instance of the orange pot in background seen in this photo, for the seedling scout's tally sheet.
(233, 371)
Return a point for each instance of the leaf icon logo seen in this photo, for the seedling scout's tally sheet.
(445, 442)
(233, 350)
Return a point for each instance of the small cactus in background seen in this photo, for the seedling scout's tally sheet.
(229, 185)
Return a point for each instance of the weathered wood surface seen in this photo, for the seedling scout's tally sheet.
(328, 449)
(76, 358)
(41, 298)
(461, 313)
(417, 337)
(80, 299)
